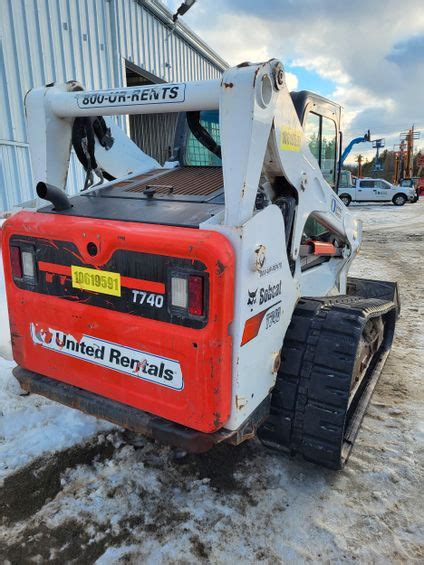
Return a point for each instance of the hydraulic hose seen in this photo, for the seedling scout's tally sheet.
(201, 134)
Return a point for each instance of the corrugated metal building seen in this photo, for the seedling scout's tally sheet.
(102, 44)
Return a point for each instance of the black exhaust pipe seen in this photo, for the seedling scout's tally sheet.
(54, 195)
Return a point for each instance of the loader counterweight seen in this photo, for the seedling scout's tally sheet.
(132, 344)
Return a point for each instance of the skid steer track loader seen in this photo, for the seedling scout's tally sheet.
(206, 300)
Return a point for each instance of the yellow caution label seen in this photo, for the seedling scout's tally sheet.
(290, 139)
(105, 282)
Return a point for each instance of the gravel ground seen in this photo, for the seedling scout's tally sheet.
(109, 501)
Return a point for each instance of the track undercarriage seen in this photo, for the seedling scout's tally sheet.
(333, 354)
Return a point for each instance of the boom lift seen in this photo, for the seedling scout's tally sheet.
(207, 300)
(361, 139)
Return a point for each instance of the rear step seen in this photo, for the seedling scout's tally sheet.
(136, 420)
(317, 408)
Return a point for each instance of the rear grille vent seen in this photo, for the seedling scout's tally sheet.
(196, 181)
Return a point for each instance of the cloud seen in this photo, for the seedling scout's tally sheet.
(408, 53)
(373, 52)
(292, 81)
(245, 38)
(324, 66)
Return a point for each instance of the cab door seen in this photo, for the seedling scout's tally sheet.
(320, 119)
(365, 190)
(382, 190)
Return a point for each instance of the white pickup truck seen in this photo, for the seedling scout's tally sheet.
(373, 190)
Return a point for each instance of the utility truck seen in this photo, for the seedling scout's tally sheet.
(375, 190)
(206, 300)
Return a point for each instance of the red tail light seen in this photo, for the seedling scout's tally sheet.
(195, 295)
(188, 295)
(16, 261)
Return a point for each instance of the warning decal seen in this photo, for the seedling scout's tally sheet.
(290, 139)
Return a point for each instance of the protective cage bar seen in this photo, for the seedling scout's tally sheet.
(150, 99)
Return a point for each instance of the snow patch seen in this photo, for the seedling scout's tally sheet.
(31, 426)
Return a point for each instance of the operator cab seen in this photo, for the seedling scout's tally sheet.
(197, 139)
(320, 120)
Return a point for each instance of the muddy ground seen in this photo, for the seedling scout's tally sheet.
(109, 501)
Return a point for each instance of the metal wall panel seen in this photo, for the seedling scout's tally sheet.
(43, 41)
(154, 134)
(15, 175)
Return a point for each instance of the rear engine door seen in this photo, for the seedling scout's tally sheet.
(134, 312)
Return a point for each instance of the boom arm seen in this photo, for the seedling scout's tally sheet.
(348, 149)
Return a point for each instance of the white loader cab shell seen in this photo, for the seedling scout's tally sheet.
(375, 190)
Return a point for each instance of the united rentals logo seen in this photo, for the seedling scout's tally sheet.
(133, 362)
(336, 208)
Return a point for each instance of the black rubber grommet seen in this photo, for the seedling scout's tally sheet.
(92, 249)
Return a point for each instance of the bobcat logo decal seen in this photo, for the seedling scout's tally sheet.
(252, 297)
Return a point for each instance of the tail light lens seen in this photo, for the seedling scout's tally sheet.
(195, 295)
(179, 296)
(23, 264)
(16, 261)
(28, 266)
(188, 295)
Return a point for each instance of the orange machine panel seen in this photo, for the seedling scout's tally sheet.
(134, 312)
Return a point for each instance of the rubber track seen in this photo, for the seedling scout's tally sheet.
(309, 407)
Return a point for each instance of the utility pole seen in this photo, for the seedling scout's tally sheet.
(396, 167)
(401, 160)
(409, 150)
(359, 161)
(408, 138)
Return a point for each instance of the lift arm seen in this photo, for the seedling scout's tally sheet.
(260, 131)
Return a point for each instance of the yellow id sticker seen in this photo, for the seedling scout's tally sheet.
(290, 139)
(105, 282)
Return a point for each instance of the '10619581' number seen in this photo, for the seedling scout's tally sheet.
(104, 282)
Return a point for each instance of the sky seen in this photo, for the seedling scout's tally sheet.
(367, 55)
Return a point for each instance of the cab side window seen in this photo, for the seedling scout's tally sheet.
(320, 133)
(328, 150)
(312, 133)
(313, 229)
(367, 184)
